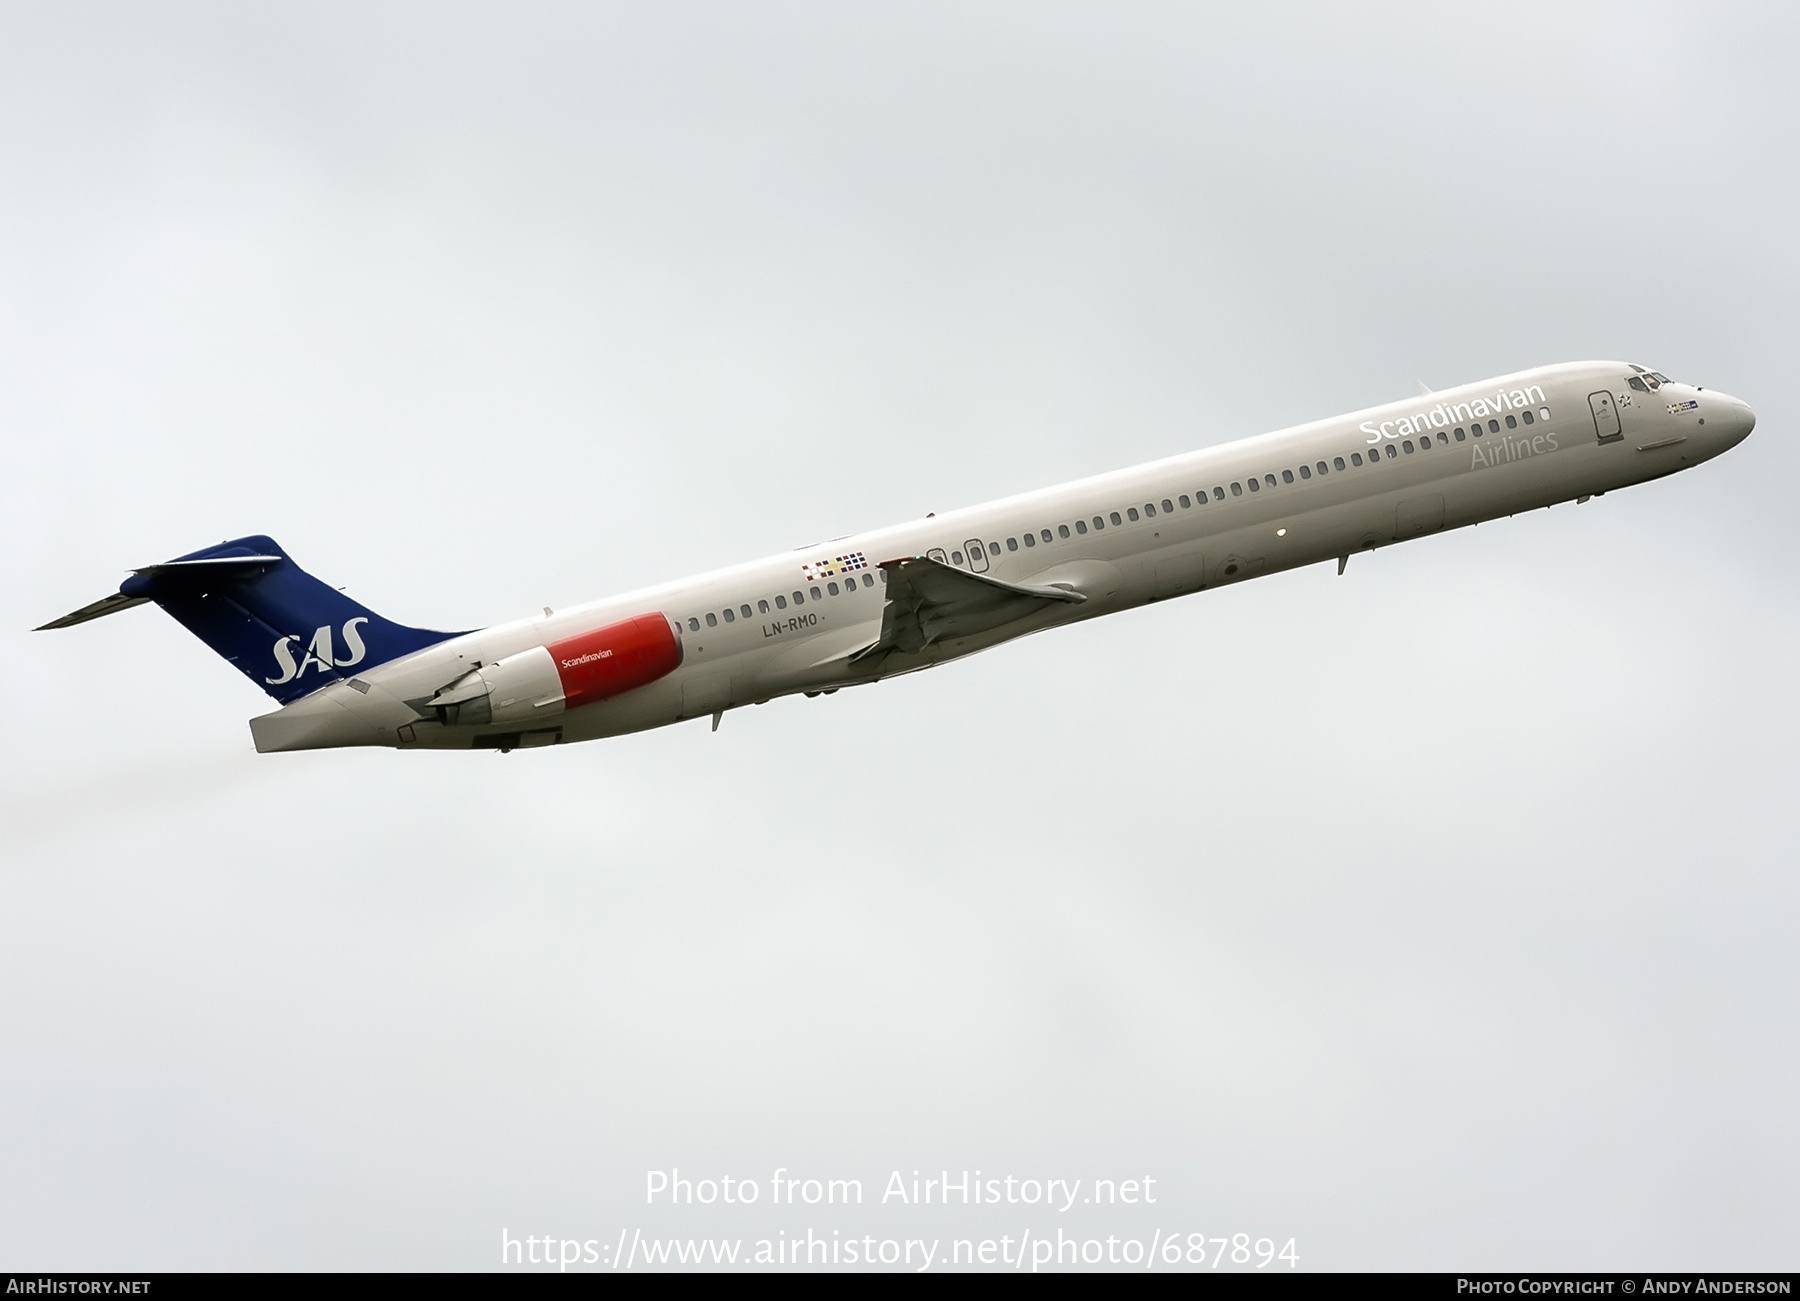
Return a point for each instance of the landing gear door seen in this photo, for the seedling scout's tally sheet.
(1606, 417)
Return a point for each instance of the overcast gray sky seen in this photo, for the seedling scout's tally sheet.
(1437, 915)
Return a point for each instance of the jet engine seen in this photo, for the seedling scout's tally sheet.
(547, 680)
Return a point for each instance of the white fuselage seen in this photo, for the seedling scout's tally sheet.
(1322, 491)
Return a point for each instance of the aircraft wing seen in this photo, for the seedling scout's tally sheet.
(928, 601)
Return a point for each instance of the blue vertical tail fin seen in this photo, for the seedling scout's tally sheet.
(283, 629)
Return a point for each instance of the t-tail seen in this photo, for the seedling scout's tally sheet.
(283, 629)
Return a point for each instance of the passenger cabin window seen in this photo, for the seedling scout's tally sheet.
(1237, 490)
(1170, 510)
(764, 606)
(1337, 463)
(1287, 476)
(832, 588)
(1012, 544)
(1062, 529)
(1080, 527)
(1527, 417)
(1512, 422)
(1392, 454)
(815, 594)
(1493, 426)
(1407, 445)
(1131, 513)
(712, 620)
(1255, 485)
(956, 558)
(1219, 494)
(693, 625)
(730, 616)
(1356, 458)
(1114, 517)
(1098, 523)
(1183, 499)
(781, 603)
(745, 610)
(1269, 479)
(1305, 472)
(799, 598)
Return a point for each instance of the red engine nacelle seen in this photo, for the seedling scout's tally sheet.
(607, 661)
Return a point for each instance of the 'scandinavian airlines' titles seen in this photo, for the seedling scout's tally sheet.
(1442, 417)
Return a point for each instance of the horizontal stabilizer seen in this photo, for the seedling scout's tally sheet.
(214, 566)
(98, 610)
(218, 567)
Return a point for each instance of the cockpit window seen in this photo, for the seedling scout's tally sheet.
(1637, 384)
(1660, 378)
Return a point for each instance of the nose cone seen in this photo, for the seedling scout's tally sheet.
(1734, 417)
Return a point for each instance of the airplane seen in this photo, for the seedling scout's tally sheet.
(896, 600)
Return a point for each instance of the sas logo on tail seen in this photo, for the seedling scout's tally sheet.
(319, 654)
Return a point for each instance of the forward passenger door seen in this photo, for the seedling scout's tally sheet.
(1606, 417)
